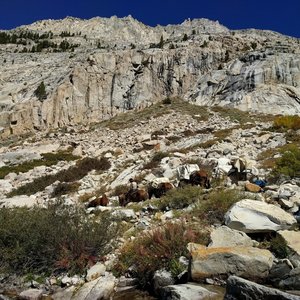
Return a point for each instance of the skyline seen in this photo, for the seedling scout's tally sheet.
(267, 15)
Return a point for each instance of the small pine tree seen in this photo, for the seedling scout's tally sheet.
(40, 92)
(161, 43)
(185, 37)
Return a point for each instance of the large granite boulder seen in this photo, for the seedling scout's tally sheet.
(257, 216)
(292, 239)
(239, 288)
(248, 262)
(224, 236)
(187, 291)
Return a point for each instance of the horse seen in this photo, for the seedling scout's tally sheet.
(160, 190)
(133, 196)
(200, 178)
(103, 201)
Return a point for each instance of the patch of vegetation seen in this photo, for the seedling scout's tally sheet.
(120, 189)
(179, 198)
(242, 117)
(155, 160)
(40, 240)
(279, 247)
(40, 92)
(289, 163)
(65, 188)
(74, 173)
(286, 122)
(157, 249)
(48, 159)
(132, 118)
(213, 206)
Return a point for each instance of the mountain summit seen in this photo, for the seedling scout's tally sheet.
(56, 73)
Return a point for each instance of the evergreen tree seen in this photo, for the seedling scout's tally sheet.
(40, 92)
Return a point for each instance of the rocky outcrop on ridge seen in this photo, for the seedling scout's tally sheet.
(122, 64)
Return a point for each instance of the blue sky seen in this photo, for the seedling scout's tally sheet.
(277, 15)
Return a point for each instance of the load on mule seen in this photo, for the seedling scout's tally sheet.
(159, 186)
(184, 172)
(191, 174)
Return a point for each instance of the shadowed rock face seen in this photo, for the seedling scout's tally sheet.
(122, 64)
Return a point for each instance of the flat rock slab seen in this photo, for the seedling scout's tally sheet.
(239, 288)
(248, 262)
(224, 236)
(257, 216)
(187, 292)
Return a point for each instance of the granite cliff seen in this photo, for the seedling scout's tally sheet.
(94, 69)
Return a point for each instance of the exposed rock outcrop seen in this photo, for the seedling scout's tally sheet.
(122, 64)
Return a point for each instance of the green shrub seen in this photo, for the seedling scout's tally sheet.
(213, 208)
(179, 198)
(40, 91)
(278, 245)
(48, 159)
(289, 163)
(65, 188)
(157, 249)
(58, 237)
(155, 160)
(81, 169)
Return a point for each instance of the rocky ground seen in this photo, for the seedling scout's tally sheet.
(185, 134)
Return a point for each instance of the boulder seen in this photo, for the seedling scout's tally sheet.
(161, 279)
(248, 262)
(102, 288)
(31, 294)
(124, 214)
(279, 271)
(256, 216)
(291, 281)
(187, 291)
(239, 288)
(95, 271)
(292, 239)
(253, 188)
(226, 237)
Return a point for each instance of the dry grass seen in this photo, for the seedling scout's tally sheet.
(131, 118)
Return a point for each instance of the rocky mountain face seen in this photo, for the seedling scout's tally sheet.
(94, 69)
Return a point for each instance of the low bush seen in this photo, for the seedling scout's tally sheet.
(289, 163)
(65, 188)
(48, 159)
(279, 247)
(81, 169)
(179, 198)
(157, 249)
(155, 160)
(212, 208)
(58, 237)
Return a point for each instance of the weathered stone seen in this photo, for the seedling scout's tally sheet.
(256, 216)
(101, 288)
(239, 288)
(31, 294)
(187, 291)
(161, 279)
(253, 188)
(95, 271)
(291, 281)
(292, 239)
(226, 237)
(248, 262)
